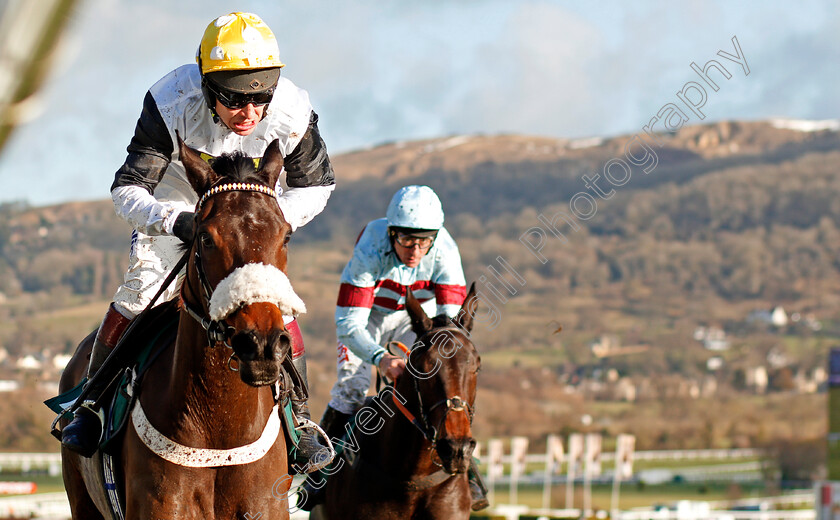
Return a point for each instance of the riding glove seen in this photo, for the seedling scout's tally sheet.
(184, 227)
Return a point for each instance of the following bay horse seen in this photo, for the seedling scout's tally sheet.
(204, 439)
(411, 459)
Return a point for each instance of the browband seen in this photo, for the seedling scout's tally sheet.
(234, 186)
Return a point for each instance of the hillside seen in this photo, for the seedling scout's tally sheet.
(493, 175)
(400, 160)
(735, 217)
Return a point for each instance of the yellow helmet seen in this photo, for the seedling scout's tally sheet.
(238, 41)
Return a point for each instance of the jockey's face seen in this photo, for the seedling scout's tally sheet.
(411, 255)
(242, 121)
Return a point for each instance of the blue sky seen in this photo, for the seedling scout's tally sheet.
(383, 71)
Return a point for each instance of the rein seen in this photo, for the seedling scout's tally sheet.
(115, 356)
(217, 330)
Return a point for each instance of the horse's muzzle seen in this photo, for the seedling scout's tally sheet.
(456, 454)
(260, 355)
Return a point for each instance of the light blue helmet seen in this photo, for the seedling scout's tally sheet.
(416, 207)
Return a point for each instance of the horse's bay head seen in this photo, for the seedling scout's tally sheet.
(239, 256)
(445, 364)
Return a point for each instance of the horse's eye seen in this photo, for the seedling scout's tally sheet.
(286, 240)
(206, 240)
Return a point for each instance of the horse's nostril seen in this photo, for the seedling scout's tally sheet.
(250, 346)
(460, 448)
(445, 450)
(245, 345)
(284, 343)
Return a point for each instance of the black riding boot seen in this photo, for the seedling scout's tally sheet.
(311, 454)
(478, 491)
(332, 423)
(83, 433)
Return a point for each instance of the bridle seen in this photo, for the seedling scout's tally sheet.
(217, 330)
(455, 403)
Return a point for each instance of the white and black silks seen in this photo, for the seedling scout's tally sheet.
(151, 189)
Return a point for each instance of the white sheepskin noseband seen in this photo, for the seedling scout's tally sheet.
(254, 283)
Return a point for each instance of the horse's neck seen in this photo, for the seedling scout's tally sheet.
(403, 452)
(204, 395)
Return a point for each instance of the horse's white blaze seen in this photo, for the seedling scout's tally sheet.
(254, 283)
(176, 453)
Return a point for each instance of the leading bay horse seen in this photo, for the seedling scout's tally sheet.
(413, 449)
(203, 441)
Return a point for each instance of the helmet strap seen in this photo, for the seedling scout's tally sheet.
(392, 238)
(209, 98)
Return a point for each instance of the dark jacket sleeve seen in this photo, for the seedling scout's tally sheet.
(308, 164)
(149, 151)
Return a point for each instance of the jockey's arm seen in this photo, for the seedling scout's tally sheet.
(449, 281)
(355, 300)
(310, 177)
(149, 154)
(351, 329)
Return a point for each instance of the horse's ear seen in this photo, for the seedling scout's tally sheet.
(465, 316)
(420, 322)
(199, 173)
(272, 163)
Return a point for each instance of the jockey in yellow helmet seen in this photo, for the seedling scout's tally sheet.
(233, 99)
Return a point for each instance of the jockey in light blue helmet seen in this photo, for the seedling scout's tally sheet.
(409, 249)
(415, 207)
(415, 217)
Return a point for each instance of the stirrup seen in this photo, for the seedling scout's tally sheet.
(322, 457)
(91, 407)
(85, 445)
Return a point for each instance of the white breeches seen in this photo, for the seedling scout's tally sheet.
(150, 260)
(349, 391)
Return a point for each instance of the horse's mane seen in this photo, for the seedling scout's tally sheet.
(438, 322)
(237, 167)
(442, 320)
(232, 167)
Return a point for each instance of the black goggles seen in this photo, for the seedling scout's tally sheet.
(236, 100)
